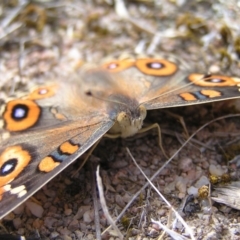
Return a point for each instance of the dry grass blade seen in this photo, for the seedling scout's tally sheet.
(104, 205)
(95, 202)
(173, 234)
(164, 199)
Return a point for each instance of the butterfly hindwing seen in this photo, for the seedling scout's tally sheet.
(160, 83)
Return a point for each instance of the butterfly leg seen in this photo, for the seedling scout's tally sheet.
(181, 120)
(89, 153)
(155, 125)
(93, 148)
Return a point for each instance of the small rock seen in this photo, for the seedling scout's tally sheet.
(17, 222)
(185, 164)
(50, 193)
(81, 211)
(68, 212)
(192, 191)
(54, 235)
(64, 231)
(19, 209)
(79, 234)
(74, 225)
(161, 212)
(9, 217)
(202, 181)
(66, 237)
(216, 170)
(119, 200)
(49, 221)
(181, 185)
(21, 231)
(35, 209)
(118, 164)
(88, 216)
(37, 223)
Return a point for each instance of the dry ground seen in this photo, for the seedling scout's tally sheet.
(45, 37)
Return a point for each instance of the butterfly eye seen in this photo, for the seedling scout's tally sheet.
(156, 67)
(143, 112)
(42, 92)
(20, 115)
(117, 66)
(212, 80)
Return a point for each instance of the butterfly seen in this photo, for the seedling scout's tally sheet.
(46, 129)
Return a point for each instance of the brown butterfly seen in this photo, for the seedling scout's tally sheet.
(47, 129)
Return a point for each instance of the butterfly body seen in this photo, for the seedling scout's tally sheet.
(45, 130)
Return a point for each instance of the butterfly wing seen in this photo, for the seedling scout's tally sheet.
(43, 132)
(159, 83)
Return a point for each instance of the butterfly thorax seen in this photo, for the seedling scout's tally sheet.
(127, 114)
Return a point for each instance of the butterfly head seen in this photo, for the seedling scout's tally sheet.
(127, 114)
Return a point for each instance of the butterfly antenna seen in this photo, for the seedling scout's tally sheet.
(176, 89)
(89, 93)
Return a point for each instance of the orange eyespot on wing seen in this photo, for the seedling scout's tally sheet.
(211, 93)
(13, 160)
(118, 65)
(212, 80)
(61, 154)
(42, 92)
(200, 95)
(47, 164)
(20, 115)
(68, 148)
(188, 96)
(156, 67)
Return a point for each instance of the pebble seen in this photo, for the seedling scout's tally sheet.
(170, 187)
(172, 152)
(216, 170)
(81, 211)
(126, 197)
(90, 237)
(185, 164)
(83, 226)
(161, 212)
(143, 163)
(192, 190)
(37, 223)
(202, 181)
(35, 209)
(21, 231)
(181, 185)
(66, 237)
(64, 231)
(118, 164)
(68, 211)
(88, 216)
(17, 222)
(205, 164)
(74, 225)
(119, 200)
(191, 175)
(79, 234)
(54, 235)
(49, 221)
(19, 209)
(50, 193)
(9, 217)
